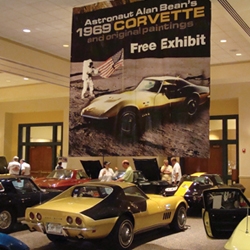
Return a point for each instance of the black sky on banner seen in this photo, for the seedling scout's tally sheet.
(175, 18)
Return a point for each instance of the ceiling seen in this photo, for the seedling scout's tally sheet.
(50, 25)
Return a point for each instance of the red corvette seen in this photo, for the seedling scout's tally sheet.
(62, 179)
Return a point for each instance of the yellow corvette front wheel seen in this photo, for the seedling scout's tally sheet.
(180, 218)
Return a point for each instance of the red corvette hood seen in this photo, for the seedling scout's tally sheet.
(48, 182)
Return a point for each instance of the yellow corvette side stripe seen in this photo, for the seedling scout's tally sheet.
(183, 188)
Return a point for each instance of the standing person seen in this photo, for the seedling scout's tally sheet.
(25, 167)
(176, 174)
(14, 166)
(129, 173)
(59, 165)
(166, 171)
(107, 173)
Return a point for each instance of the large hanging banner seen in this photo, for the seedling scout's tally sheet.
(140, 79)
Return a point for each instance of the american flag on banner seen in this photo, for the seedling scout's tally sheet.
(111, 64)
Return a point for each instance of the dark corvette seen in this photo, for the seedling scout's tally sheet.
(131, 109)
(149, 187)
(16, 194)
(226, 216)
(150, 169)
(146, 175)
(192, 187)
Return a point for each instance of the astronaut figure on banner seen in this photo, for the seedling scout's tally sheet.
(88, 71)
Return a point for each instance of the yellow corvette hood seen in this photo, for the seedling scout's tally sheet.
(103, 103)
(109, 105)
(183, 188)
(240, 238)
(70, 204)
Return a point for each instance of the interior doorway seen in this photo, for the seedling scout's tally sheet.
(224, 149)
(40, 144)
(213, 165)
(40, 160)
(215, 162)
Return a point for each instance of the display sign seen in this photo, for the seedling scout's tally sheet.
(140, 79)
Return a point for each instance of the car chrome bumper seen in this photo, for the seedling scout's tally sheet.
(34, 226)
(66, 231)
(95, 117)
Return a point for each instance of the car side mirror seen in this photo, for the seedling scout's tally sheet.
(197, 184)
(165, 90)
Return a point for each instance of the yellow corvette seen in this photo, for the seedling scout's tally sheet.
(155, 97)
(112, 210)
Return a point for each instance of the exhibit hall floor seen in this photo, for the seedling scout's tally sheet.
(194, 237)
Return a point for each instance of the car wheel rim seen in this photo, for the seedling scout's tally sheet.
(192, 107)
(182, 217)
(5, 219)
(126, 234)
(128, 123)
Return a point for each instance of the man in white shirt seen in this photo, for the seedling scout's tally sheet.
(176, 173)
(25, 167)
(14, 166)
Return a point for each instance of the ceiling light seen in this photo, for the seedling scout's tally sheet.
(223, 40)
(238, 54)
(26, 30)
(65, 45)
(25, 78)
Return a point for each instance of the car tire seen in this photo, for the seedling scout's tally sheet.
(56, 239)
(179, 221)
(7, 220)
(122, 235)
(127, 126)
(191, 105)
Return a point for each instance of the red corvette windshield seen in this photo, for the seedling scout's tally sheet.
(61, 174)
